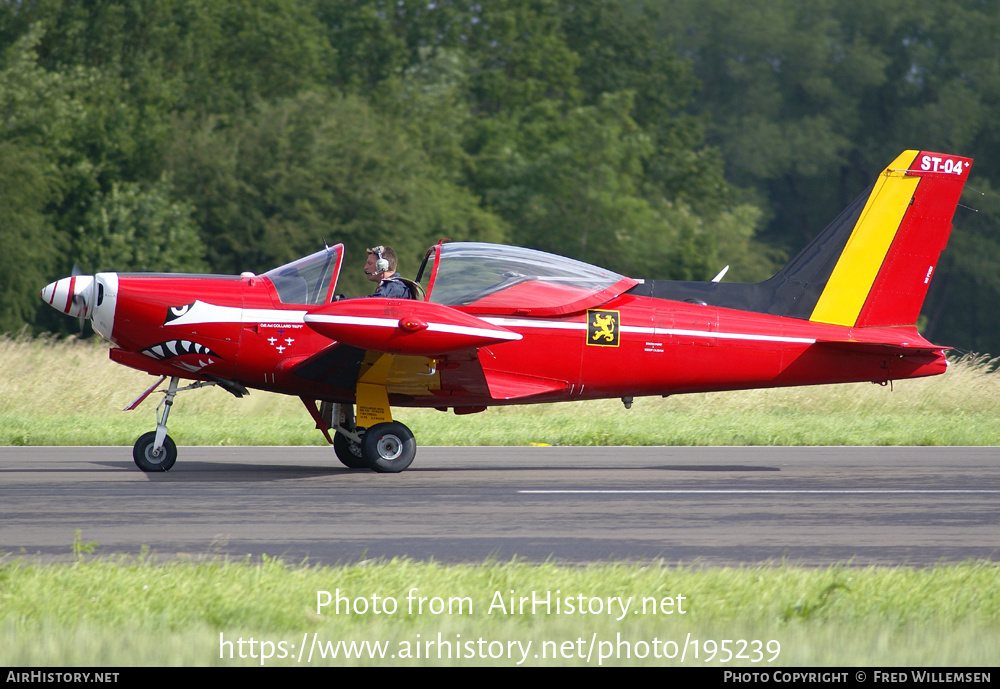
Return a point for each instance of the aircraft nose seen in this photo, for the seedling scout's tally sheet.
(73, 296)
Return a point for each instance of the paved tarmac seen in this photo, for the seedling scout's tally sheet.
(732, 505)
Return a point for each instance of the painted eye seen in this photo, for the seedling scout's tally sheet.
(175, 312)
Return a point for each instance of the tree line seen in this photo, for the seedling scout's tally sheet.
(661, 139)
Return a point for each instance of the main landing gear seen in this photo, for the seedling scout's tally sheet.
(387, 448)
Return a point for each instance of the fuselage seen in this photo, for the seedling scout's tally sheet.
(238, 329)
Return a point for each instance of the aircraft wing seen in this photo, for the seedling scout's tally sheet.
(432, 350)
(401, 326)
(337, 365)
(453, 379)
(504, 385)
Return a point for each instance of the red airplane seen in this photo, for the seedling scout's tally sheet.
(505, 325)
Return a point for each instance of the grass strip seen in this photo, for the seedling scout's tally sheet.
(135, 611)
(958, 408)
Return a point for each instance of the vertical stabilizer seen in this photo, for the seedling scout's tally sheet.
(882, 275)
(871, 266)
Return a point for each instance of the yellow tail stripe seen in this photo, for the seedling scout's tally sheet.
(852, 278)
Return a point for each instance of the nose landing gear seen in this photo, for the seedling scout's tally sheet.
(155, 450)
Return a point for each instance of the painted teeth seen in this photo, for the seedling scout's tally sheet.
(172, 348)
(194, 369)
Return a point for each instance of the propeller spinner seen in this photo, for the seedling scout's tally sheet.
(75, 296)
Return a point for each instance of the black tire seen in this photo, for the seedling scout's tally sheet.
(142, 453)
(349, 452)
(388, 448)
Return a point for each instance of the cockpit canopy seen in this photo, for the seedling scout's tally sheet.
(309, 280)
(475, 277)
(493, 278)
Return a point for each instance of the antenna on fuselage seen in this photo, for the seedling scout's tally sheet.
(718, 278)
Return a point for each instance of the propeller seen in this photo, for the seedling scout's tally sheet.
(80, 301)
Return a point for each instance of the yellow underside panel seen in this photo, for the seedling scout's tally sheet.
(373, 405)
(413, 375)
(385, 373)
(373, 400)
(853, 276)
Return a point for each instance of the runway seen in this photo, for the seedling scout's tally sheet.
(714, 506)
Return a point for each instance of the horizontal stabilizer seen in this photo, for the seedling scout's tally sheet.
(892, 341)
(885, 348)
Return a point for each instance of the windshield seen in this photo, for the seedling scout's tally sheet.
(492, 277)
(309, 280)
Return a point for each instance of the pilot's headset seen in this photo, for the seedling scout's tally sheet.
(381, 264)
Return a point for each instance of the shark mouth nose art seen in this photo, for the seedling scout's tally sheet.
(175, 348)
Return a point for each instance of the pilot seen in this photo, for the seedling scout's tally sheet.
(381, 268)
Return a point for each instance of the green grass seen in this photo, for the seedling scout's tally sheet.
(137, 612)
(68, 393)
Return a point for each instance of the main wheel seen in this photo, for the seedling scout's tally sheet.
(349, 452)
(147, 460)
(388, 448)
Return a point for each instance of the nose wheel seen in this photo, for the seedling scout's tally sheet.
(150, 458)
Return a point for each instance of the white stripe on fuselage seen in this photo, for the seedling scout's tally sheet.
(202, 312)
(566, 325)
(431, 327)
